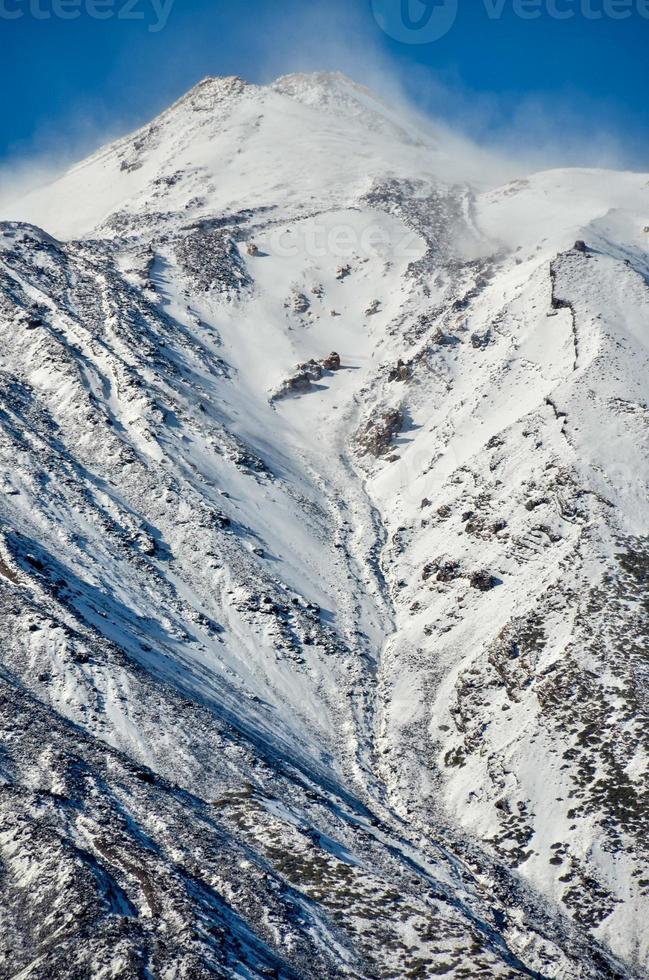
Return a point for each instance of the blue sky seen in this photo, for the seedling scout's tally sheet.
(575, 88)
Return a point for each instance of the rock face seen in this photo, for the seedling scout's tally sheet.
(376, 434)
(346, 685)
(306, 375)
(332, 362)
(483, 580)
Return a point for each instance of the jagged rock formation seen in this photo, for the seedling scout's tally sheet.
(353, 684)
(306, 376)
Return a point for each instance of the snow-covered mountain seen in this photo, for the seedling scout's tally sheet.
(324, 554)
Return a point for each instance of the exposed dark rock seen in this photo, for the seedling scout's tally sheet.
(306, 374)
(481, 340)
(444, 570)
(442, 339)
(332, 362)
(212, 261)
(375, 436)
(402, 372)
(483, 581)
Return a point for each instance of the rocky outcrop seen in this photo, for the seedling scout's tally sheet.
(376, 435)
(306, 376)
(212, 262)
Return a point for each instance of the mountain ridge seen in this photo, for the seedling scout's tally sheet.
(319, 683)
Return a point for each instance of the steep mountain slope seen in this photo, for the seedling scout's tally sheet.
(324, 556)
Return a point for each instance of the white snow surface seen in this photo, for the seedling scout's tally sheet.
(378, 631)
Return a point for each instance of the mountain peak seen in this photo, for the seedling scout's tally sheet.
(211, 90)
(323, 555)
(227, 136)
(323, 88)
